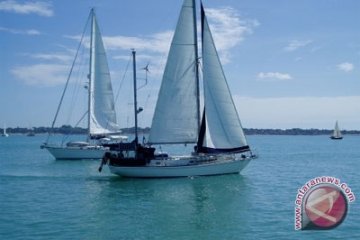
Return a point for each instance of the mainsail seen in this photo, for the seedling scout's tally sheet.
(223, 130)
(176, 117)
(102, 116)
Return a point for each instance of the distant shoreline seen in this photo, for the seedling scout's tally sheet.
(296, 131)
(66, 129)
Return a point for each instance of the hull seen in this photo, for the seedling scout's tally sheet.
(77, 153)
(178, 168)
(336, 138)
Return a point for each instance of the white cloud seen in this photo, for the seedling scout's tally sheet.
(346, 67)
(42, 74)
(274, 76)
(303, 112)
(151, 49)
(156, 64)
(55, 56)
(228, 29)
(18, 31)
(296, 44)
(38, 7)
(156, 43)
(143, 57)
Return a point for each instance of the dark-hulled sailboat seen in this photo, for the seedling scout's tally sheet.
(220, 146)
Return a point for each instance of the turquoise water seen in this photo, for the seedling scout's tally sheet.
(46, 199)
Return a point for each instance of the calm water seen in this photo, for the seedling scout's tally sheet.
(46, 199)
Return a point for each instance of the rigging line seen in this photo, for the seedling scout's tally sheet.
(201, 76)
(67, 135)
(123, 78)
(77, 86)
(146, 104)
(147, 99)
(68, 78)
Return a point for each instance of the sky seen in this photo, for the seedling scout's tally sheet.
(289, 64)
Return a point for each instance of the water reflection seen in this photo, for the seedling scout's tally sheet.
(204, 206)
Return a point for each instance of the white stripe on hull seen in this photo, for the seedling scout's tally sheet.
(76, 153)
(214, 168)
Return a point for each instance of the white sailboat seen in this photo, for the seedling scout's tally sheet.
(4, 134)
(336, 133)
(101, 108)
(220, 146)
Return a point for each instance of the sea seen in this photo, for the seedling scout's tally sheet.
(44, 198)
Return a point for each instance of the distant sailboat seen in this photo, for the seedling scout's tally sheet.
(31, 133)
(101, 108)
(4, 134)
(336, 133)
(220, 143)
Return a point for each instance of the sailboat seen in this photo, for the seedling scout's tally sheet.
(4, 134)
(220, 146)
(336, 133)
(101, 122)
(31, 132)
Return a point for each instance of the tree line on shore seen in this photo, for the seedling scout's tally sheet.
(67, 129)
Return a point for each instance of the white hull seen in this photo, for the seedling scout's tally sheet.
(77, 153)
(101, 107)
(170, 168)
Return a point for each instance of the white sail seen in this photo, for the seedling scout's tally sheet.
(4, 134)
(223, 126)
(336, 132)
(102, 116)
(176, 116)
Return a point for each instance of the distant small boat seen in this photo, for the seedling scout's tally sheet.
(4, 134)
(30, 134)
(336, 133)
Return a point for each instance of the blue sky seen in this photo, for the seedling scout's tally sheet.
(288, 63)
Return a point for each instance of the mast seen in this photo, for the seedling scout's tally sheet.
(202, 128)
(135, 96)
(92, 13)
(196, 66)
